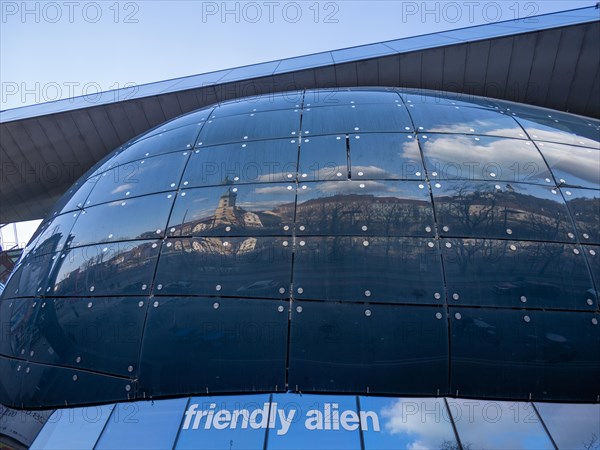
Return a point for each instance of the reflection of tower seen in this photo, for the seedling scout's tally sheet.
(225, 210)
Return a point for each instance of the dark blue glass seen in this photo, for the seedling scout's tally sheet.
(517, 274)
(584, 205)
(378, 269)
(380, 349)
(196, 344)
(71, 387)
(536, 350)
(237, 266)
(123, 268)
(105, 343)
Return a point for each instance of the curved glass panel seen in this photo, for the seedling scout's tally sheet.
(369, 208)
(218, 331)
(171, 140)
(75, 197)
(592, 254)
(161, 173)
(250, 127)
(535, 350)
(552, 129)
(341, 96)
(252, 162)
(501, 210)
(237, 266)
(365, 118)
(261, 103)
(17, 315)
(377, 269)
(517, 274)
(441, 98)
(112, 222)
(242, 210)
(464, 157)
(106, 342)
(385, 156)
(372, 210)
(31, 276)
(386, 348)
(571, 165)
(195, 117)
(43, 385)
(323, 158)
(123, 268)
(56, 234)
(584, 205)
(457, 119)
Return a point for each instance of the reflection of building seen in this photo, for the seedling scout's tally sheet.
(405, 293)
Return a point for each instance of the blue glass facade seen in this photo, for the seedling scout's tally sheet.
(367, 240)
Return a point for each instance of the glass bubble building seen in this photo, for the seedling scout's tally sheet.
(361, 267)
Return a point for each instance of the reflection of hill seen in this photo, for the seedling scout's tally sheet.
(473, 212)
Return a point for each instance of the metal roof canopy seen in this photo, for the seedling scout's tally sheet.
(551, 60)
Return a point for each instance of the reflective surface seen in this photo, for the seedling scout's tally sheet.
(536, 350)
(501, 210)
(305, 421)
(373, 357)
(364, 240)
(464, 157)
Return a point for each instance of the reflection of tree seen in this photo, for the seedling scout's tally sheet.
(346, 214)
(452, 445)
(593, 443)
(481, 209)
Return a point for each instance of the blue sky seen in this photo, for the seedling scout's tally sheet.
(51, 50)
